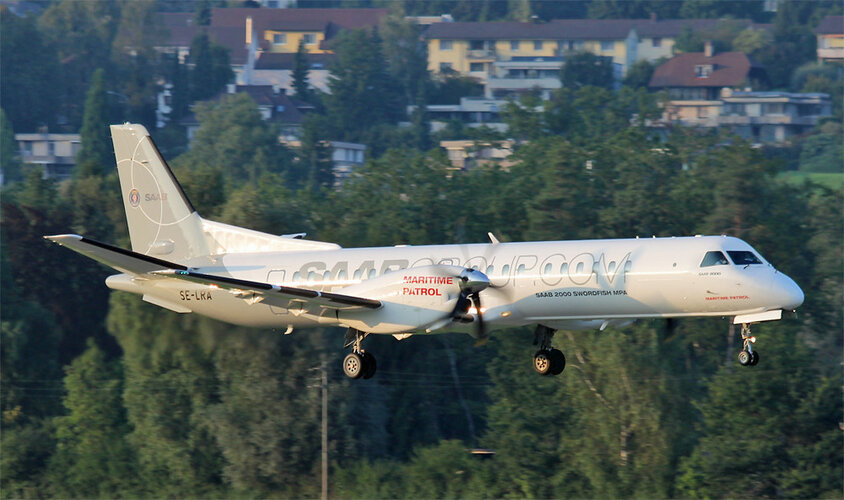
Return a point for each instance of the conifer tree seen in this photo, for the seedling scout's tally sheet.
(301, 85)
(95, 155)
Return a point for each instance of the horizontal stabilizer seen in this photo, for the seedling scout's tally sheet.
(118, 258)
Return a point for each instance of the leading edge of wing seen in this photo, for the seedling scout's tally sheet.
(134, 263)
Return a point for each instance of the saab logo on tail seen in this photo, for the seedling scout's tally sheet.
(134, 198)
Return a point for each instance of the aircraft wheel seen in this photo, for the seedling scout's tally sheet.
(745, 358)
(353, 365)
(754, 360)
(558, 361)
(542, 362)
(369, 365)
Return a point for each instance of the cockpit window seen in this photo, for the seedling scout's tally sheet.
(714, 258)
(743, 257)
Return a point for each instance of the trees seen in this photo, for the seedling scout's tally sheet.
(301, 85)
(11, 166)
(92, 456)
(96, 154)
(211, 71)
(586, 68)
(363, 95)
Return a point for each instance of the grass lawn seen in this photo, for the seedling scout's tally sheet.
(832, 181)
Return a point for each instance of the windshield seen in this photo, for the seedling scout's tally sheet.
(714, 258)
(743, 257)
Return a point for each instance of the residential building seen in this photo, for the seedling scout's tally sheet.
(759, 117)
(55, 153)
(276, 69)
(467, 154)
(694, 82)
(474, 49)
(521, 75)
(346, 157)
(830, 35)
(273, 105)
(471, 112)
(772, 117)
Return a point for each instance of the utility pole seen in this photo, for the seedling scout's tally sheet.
(324, 385)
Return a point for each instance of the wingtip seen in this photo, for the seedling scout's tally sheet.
(59, 238)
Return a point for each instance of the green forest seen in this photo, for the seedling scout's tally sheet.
(104, 395)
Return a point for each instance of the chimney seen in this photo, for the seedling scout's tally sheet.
(707, 49)
(249, 30)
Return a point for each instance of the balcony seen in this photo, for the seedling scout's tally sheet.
(835, 53)
(481, 55)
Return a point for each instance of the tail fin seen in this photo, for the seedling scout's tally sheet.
(161, 219)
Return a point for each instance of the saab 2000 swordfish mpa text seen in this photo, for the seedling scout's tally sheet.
(187, 264)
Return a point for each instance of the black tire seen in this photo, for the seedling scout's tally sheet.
(744, 358)
(542, 362)
(558, 361)
(369, 365)
(353, 365)
(754, 359)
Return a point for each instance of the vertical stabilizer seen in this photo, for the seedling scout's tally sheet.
(162, 222)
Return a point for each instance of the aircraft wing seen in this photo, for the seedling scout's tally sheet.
(140, 265)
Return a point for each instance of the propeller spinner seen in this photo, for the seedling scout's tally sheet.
(472, 282)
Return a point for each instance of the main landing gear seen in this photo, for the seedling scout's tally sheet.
(547, 360)
(747, 356)
(358, 363)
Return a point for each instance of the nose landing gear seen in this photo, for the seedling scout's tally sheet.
(747, 356)
(547, 360)
(358, 363)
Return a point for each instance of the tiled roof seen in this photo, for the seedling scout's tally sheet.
(728, 69)
(228, 26)
(276, 60)
(572, 29)
(831, 25)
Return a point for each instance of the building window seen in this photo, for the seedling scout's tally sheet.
(703, 70)
(310, 38)
(476, 45)
(657, 42)
(446, 67)
(279, 38)
(476, 67)
(445, 44)
(537, 45)
(607, 45)
(514, 45)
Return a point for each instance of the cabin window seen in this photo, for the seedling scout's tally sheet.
(341, 276)
(326, 275)
(580, 268)
(490, 270)
(714, 258)
(611, 267)
(743, 257)
(296, 276)
(548, 268)
(505, 271)
(311, 276)
(564, 268)
(357, 275)
(371, 273)
(521, 269)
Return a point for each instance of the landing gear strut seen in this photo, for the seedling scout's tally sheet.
(747, 356)
(358, 363)
(547, 360)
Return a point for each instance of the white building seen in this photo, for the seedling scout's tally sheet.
(55, 153)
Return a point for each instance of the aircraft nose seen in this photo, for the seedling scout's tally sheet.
(790, 294)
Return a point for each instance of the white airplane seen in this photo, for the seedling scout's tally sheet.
(187, 264)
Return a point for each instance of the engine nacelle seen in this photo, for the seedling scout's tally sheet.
(413, 299)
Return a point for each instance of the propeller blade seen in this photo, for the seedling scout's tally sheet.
(480, 332)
